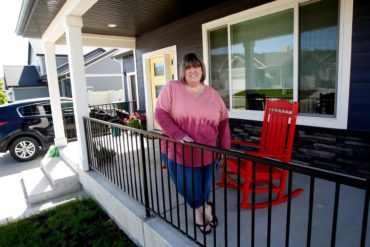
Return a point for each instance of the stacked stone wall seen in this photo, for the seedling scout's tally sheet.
(337, 150)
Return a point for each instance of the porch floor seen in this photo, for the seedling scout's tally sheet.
(171, 208)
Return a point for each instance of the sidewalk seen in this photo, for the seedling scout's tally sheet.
(13, 200)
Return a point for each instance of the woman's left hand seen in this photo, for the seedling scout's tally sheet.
(187, 139)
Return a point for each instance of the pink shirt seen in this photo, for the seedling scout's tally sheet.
(204, 118)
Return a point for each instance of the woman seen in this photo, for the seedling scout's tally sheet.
(189, 111)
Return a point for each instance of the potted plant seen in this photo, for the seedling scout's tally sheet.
(136, 120)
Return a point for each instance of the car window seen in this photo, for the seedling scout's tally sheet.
(39, 109)
(46, 109)
(29, 110)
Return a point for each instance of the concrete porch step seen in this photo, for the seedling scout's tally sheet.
(70, 155)
(53, 179)
(58, 172)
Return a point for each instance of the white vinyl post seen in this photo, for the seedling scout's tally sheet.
(60, 139)
(73, 27)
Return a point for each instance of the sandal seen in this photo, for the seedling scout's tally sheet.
(203, 227)
(214, 220)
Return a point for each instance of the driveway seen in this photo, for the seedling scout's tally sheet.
(12, 197)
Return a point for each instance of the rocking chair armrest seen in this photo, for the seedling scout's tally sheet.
(244, 143)
(277, 157)
(244, 146)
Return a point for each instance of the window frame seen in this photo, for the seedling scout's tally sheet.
(339, 121)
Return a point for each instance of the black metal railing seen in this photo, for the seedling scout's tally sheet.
(120, 109)
(105, 112)
(332, 211)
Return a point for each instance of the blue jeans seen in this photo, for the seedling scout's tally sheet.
(201, 177)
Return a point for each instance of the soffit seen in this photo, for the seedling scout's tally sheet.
(132, 17)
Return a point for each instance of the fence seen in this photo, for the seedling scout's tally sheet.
(103, 97)
(333, 209)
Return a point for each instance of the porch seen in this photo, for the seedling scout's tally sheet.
(332, 211)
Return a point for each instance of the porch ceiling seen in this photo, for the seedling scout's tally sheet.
(132, 17)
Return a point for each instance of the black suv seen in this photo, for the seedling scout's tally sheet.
(26, 126)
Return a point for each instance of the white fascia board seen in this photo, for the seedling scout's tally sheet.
(70, 8)
(105, 41)
(96, 40)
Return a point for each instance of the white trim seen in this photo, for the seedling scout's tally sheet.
(122, 79)
(146, 72)
(344, 59)
(106, 41)
(129, 88)
(205, 53)
(295, 52)
(138, 94)
(96, 40)
(230, 65)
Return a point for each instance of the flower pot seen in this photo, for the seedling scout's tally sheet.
(116, 131)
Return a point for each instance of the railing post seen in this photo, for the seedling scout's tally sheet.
(145, 180)
(88, 132)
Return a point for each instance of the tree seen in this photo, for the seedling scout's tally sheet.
(3, 99)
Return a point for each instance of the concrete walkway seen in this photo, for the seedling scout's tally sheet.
(13, 200)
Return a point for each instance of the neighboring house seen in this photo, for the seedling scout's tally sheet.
(104, 76)
(23, 82)
(131, 91)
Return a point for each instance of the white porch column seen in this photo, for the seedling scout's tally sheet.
(53, 85)
(73, 27)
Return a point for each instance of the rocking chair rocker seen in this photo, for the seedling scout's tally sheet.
(276, 142)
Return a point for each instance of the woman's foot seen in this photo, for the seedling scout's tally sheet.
(210, 214)
(203, 227)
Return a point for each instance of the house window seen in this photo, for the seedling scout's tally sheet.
(282, 50)
(158, 68)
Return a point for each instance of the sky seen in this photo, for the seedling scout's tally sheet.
(13, 48)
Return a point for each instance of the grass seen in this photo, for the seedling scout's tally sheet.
(76, 223)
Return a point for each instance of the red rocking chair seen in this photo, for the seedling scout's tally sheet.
(276, 142)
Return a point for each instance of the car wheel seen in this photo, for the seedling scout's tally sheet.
(24, 149)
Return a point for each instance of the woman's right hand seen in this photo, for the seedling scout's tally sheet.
(187, 139)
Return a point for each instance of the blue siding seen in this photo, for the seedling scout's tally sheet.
(30, 93)
(359, 101)
(186, 34)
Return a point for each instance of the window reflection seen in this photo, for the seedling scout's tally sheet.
(159, 68)
(219, 63)
(318, 57)
(262, 60)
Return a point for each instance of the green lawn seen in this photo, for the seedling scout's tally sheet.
(76, 223)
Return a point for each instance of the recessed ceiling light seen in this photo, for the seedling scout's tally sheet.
(112, 25)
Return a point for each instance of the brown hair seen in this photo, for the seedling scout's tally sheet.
(191, 60)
